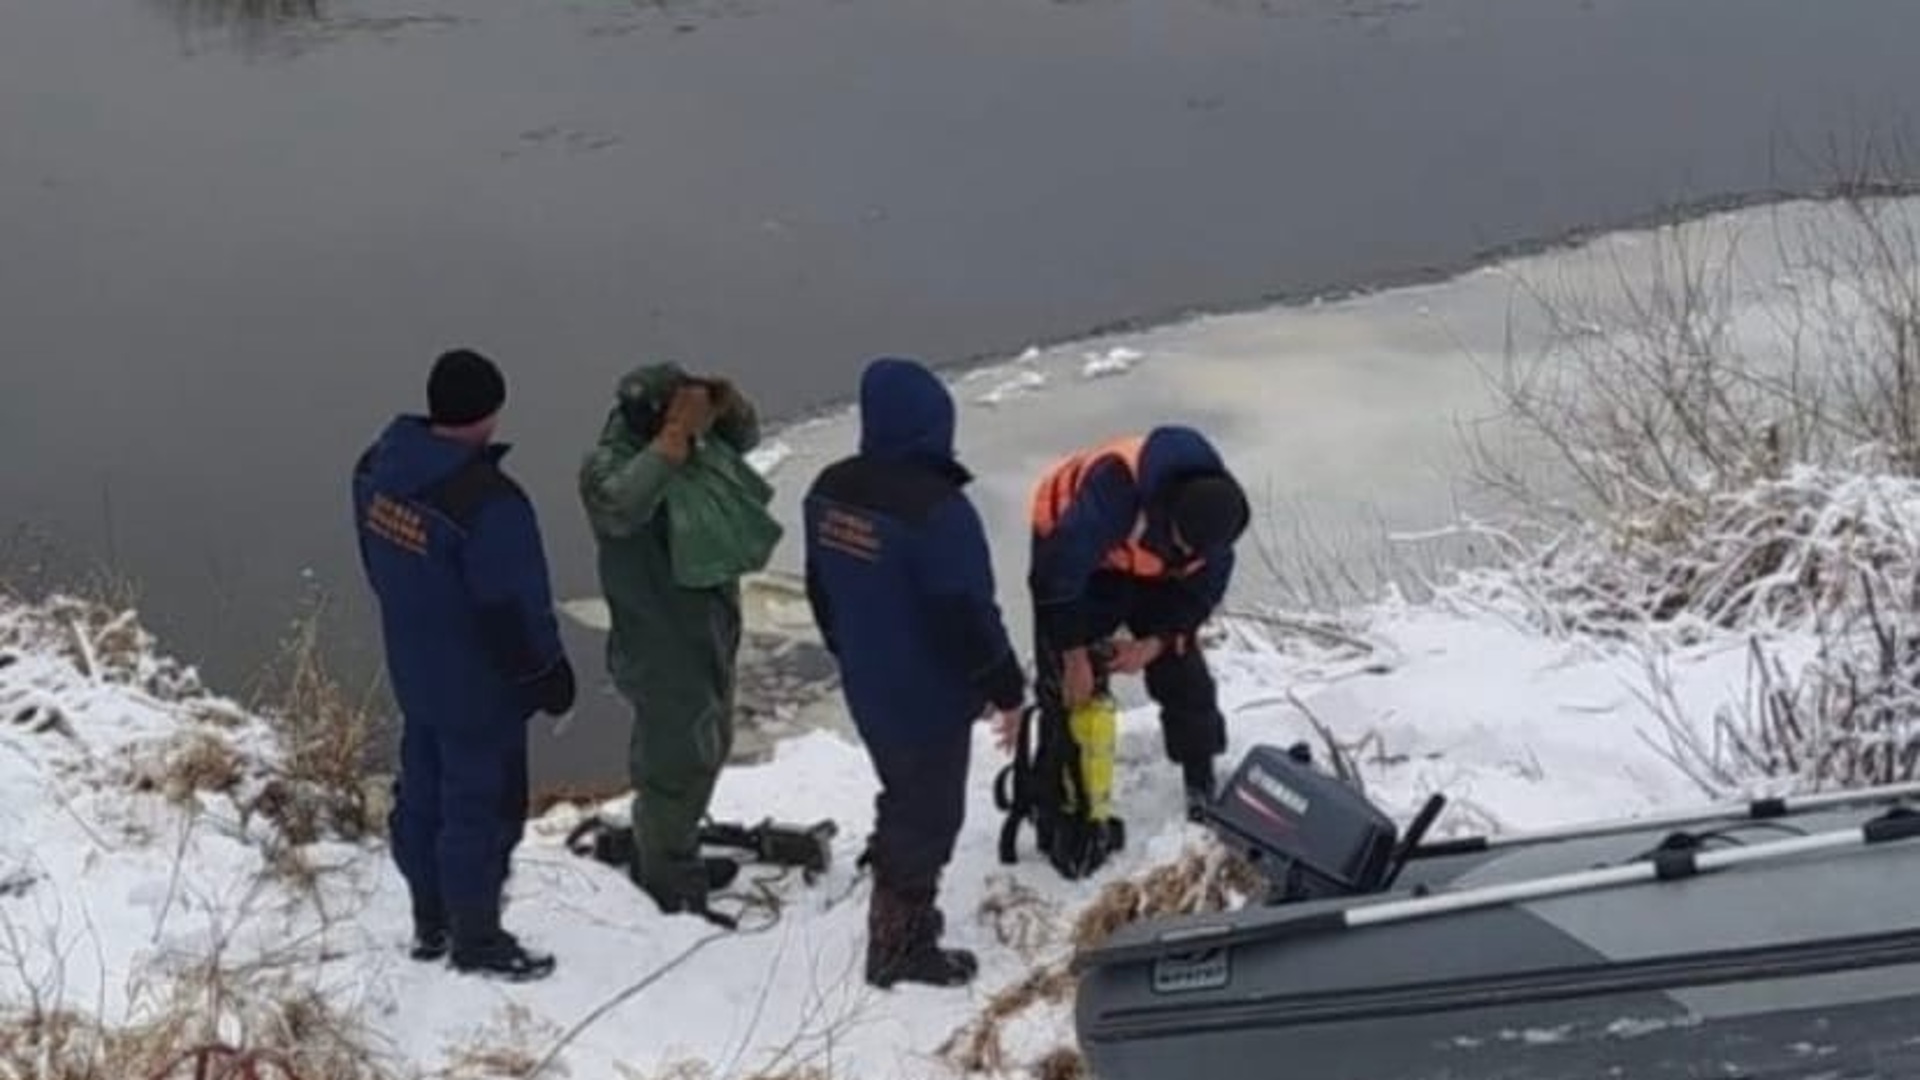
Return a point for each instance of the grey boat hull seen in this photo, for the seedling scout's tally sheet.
(1804, 967)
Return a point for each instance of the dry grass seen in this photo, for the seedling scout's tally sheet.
(195, 762)
(1064, 1063)
(289, 1030)
(1020, 918)
(504, 1050)
(980, 1046)
(105, 643)
(65, 1045)
(315, 786)
(1810, 545)
(326, 736)
(241, 987)
(1207, 878)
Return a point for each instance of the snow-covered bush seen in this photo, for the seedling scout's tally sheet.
(1819, 569)
(1687, 409)
(1811, 547)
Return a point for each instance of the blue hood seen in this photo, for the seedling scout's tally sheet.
(905, 412)
(1174, 451)
(409, 458)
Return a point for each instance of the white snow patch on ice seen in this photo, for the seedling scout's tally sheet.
(767, 458)
(1115, 361)
(1631, 1027)
(1020, 384)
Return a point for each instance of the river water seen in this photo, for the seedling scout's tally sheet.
(234, 232)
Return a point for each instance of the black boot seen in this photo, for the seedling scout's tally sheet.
(431, 938)
(721, 872)
(1198, 777)
(481, 947)
(682, 885)
(1078, 848)
(903, 935)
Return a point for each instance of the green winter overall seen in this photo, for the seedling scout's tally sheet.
(671, 651)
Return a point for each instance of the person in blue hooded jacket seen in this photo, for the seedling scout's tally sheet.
(901, 585)
(451, 548)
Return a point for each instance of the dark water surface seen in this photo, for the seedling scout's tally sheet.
(232, 232)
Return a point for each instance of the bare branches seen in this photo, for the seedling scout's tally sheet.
(1671, 365)
(1738, 426)
(240, 993)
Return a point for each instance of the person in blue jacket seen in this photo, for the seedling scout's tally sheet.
(901, 585)
(1137, 533)
(451, 548)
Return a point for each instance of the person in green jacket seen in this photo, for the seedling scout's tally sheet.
(671, 651)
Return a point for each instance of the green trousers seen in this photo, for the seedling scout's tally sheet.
(682, 736)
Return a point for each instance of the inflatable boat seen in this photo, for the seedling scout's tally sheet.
(1776, 938)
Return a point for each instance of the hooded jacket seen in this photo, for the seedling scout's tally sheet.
(451, 547)
(1106, 509)
(898, 570)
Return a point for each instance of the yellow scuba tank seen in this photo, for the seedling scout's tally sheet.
(1095, 728)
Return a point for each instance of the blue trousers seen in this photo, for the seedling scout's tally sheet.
(459, 811)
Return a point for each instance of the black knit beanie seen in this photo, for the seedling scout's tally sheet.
(1210, 512)
(464, 388)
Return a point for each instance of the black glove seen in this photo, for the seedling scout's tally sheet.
(553, 692)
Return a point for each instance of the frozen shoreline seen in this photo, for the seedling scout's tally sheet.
(1345, 419)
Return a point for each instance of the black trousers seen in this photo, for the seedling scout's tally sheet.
(920, 809)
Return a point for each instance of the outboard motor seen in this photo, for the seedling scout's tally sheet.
(1308, 834)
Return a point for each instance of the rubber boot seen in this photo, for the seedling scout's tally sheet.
(481, 947)
(721, 872)
(866, 862)
(682, 886)
(903, 944)
(432, 939)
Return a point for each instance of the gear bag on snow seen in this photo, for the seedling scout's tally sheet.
(720, 527)
(1063, 782)
(808, 847)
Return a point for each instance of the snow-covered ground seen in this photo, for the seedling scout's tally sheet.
(113, 882)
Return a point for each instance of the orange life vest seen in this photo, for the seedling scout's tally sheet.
(1056, 491)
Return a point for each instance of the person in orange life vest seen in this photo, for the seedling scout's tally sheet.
(1137, 533)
